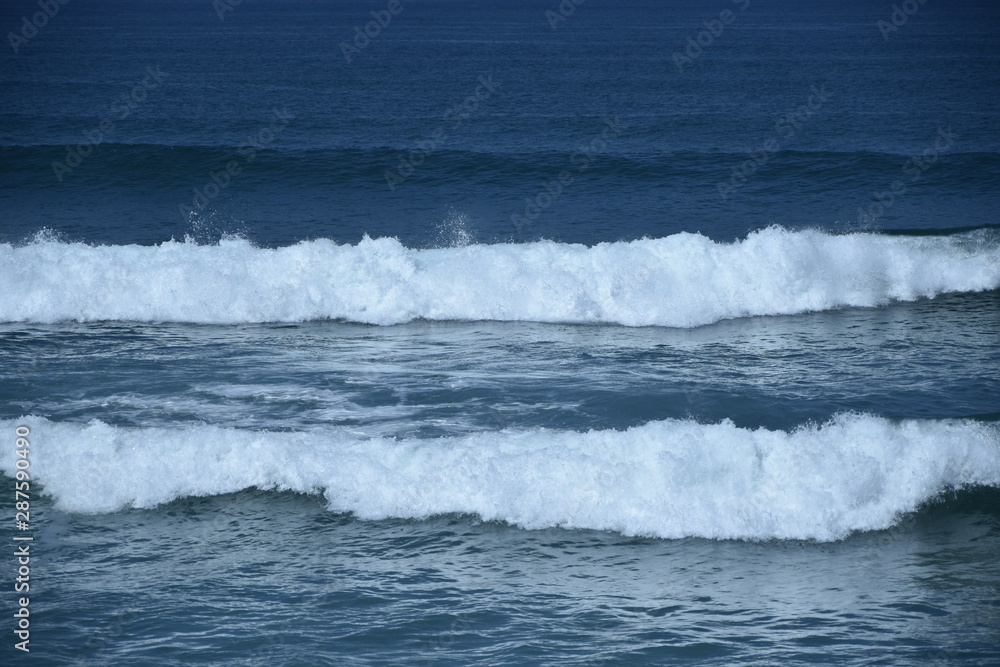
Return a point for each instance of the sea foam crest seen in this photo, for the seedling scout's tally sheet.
(683, 280)
(667, 479)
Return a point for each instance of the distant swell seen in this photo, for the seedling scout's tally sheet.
(667, 479)
(173, 165)
(683, 280)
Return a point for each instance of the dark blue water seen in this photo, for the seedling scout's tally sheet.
(513, 333)
(323, 174)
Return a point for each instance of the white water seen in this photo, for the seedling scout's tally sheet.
(682, 280)
(667, 479)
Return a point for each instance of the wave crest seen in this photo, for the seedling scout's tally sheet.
(683, 280)
(669, 479)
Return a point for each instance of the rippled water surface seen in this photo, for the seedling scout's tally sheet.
(504, 340)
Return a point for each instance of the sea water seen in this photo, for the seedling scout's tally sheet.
(578, 333)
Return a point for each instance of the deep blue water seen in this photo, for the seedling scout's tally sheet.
(622, 333)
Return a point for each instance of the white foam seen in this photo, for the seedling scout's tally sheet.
(682, 280)
(667, 478)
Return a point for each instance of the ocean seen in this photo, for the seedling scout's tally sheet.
(458, 332)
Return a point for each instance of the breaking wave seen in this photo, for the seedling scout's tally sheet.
(668, 479)
(683, 280)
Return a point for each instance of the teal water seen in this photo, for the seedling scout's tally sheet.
(554, 397)
(262, 578)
